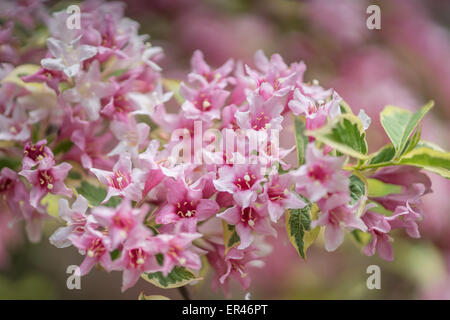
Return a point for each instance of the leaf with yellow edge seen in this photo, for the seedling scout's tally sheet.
(400, 123)
(378, 188)
(142, 296)
(429, 159)
(345, 134)
(298, 226)
(230, 237)
(178, 277)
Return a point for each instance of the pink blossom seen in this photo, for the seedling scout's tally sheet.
(94, 244)
(185, 204)
(247, 220)
(277, 196)
(137, 256)
(320, 175)
(203, 73)
(241, 180)
(47, 178)
(34, 153)
(178, 251)
(120, 221)
(335, 215)
(75, 218)
(122, 180)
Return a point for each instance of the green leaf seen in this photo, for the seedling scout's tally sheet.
(115, 254)
(178, 277)
(357, 188)
(346, 134)
(384, 155)
(298, 226)
(399, 124)
(95, 195)
(230, 237)
(301, 140)
(429, 159)
(12, 163)
(63, 146)
(345, 108)
(378, 188)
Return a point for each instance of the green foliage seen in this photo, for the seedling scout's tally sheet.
(230, 237)
(95, 195)
(63, 146)
(298, 226)
(345, 134)
(178, 277)
(301, 140)
(399, 124)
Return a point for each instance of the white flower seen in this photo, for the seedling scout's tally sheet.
(365, 119)
(67, 56)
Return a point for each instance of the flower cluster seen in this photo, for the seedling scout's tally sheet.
(98, 111)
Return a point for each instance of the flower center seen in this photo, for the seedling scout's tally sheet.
(186, 209)
(137, 258)
(318, 173)
(276, 193)
(261, 121)
(45, 179)
(248, 216)
(120, 180)
(96, 249)
(245, 182)
(35, 152)
(5, 184)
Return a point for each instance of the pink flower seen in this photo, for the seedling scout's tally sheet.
(241, 180)
(335, 215)
(203, 73)
(67, 56)
(131, 135)
(34, 153)
(247, 220)
(178, 251)
(95, 245)
(233, 265)
(75, 218)
(320, 175)
(277, 196)
(185, 203)
(12, 191)
(88, 91)
(203, 104)
(47, 178)
(122, 181)
(262, 114)
(120, 221)
(379, 226)
(15, 127)
(137, 257)
(51, 78)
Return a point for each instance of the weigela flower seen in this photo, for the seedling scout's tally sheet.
(278, 196)
(76, 219)
(94, 244)
(335, 215)
(67, 57)
(34, 153)
(178, 251)
(247, 220)
(88, 91)
(123, 180)
(47, 178)
(320, 175)
(241, 180)
(121, 221)
(185, 204)
(205, 75)
(137, 256)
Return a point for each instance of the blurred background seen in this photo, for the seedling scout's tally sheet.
(406, 63)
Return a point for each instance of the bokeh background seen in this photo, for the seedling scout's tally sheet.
(406, 63)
